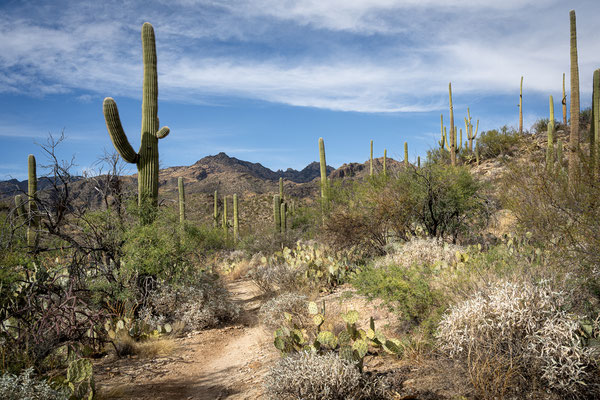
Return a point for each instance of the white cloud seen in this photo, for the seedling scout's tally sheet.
(405, 68)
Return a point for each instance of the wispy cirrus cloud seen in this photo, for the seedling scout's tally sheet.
(364, 56)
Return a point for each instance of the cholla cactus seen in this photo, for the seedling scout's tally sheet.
(530, 324)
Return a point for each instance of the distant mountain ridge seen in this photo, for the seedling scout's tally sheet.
(219, 172)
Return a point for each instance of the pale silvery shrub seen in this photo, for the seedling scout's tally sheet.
(528, 322)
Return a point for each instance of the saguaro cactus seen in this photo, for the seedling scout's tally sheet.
(469, 127)
(283, 216)
(564, 102)
(146, 158)
(277, 212)
(30, 214)
(281, 188)
(216, 210)
(574, 137)
(371, 161)
(384, 162)
(550, 147)
(452, 129)
(521, 108)
(595, 125)
(181, 200)
(324, 184)
(225, 225)
(236, 222)
(406, 154)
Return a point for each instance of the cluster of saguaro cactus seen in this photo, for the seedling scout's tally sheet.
(469, 128)
(280, 210)
(147, 157)
(30, 213)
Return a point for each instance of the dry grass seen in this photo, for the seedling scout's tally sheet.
(125, 345)
(154, 348)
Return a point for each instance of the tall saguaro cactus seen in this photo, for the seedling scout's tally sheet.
(574, 137)
(146, 158)
(281, 188)
(181, 200)
(521, 108)
(371, 161)
(595, 124)
(452, 129)
(277, 212)
(405, 154)
(225, 222)
(564, 102)
(384, 162)
(216, 210)
(283, 216)
(29, 214)
(236, 222)
(550, 147)
(324, 184)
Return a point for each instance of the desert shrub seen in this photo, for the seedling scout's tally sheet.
(518, 336)
(438, 200)
(494, 143)
(310, 376)
(277, 277)
(428, 251)
(406, 290)
(272, 314)
(25, 387)
(163, 250)
(561, 217)
(204, 304)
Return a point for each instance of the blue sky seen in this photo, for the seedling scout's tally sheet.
(262, 80)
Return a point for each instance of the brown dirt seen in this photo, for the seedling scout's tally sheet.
(223, 363)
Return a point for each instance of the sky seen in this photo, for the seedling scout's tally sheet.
(262, 80)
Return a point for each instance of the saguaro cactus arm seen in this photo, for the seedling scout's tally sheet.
(163, 132)
(116, 132)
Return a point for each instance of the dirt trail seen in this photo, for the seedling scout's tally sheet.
(225, 363)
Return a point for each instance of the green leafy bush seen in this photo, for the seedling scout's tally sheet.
(437, 200)
(406, 290)
(494, 143)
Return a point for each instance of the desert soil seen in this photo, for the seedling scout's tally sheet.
(224, 363)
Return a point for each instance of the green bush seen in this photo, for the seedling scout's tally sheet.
(439, 200)
(494, 143)
(405, 290)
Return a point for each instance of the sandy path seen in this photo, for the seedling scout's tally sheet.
(224, 363)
